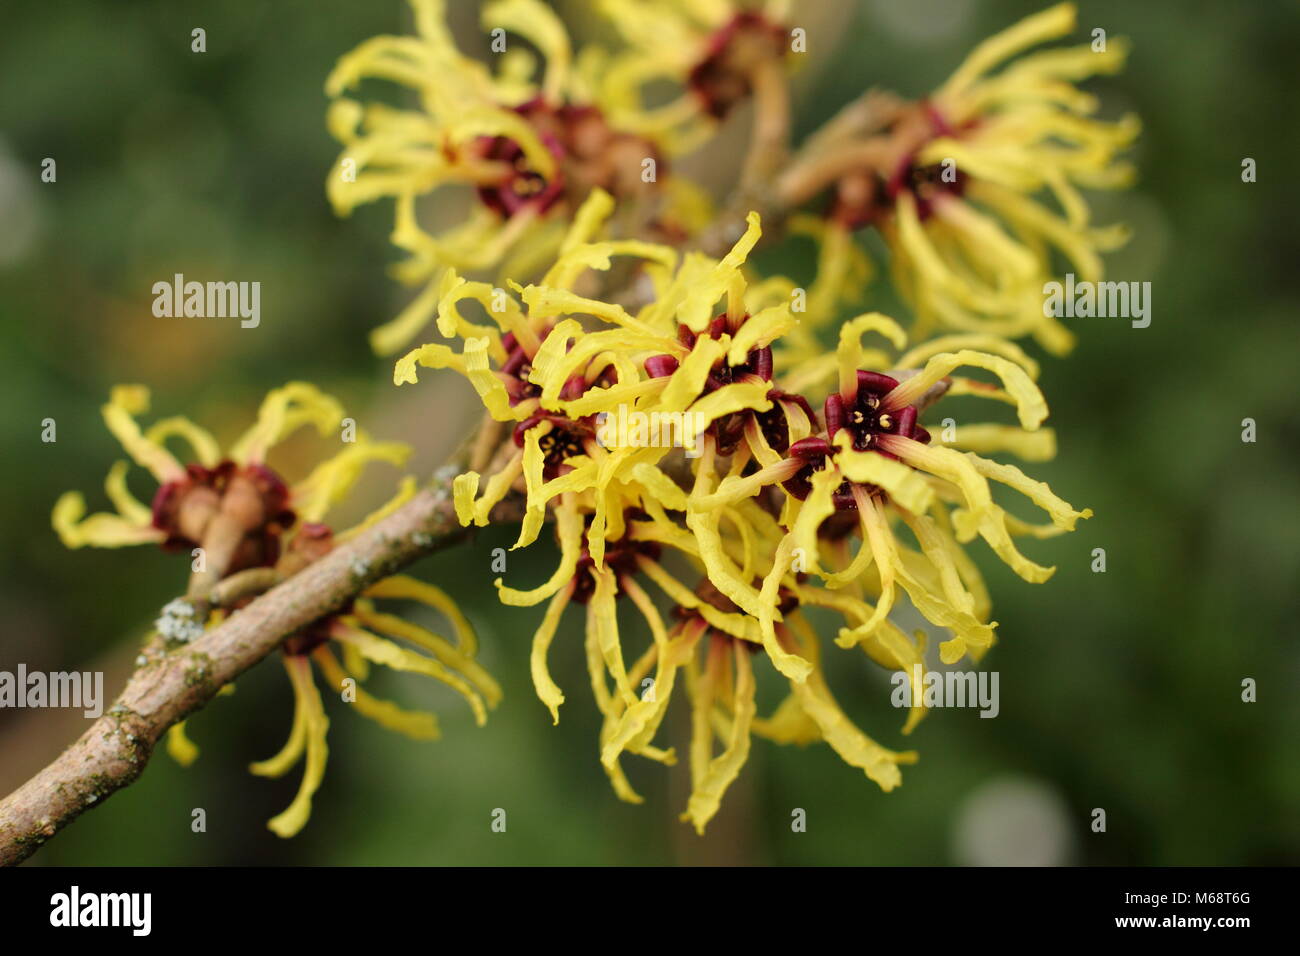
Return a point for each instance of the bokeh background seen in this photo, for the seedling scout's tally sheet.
(1119, 691)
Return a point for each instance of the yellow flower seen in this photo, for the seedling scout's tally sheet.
(243, 515)
(641, 539)
(711, 48)
(722, 692)
(228, 502)
(873, 471)
(634, 545)
(951, 182)
(531, 150)
(357, 632)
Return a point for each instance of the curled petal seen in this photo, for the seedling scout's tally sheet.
(310, 726)
(721, 771)
(100, 530)
(416, 724)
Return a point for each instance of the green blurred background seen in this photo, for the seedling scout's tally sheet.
(1119, 690)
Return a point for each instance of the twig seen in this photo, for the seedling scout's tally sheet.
(853, 136)
(243, 584)
(873, 132)
(769, 141)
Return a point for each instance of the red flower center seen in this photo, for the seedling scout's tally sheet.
(587, 151)
(865, 414)
(620, 558)
(721, 79)
(729, 429)
(863, 197)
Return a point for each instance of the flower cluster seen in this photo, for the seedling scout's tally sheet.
(737, 461)
(818, 487)
(951, 181)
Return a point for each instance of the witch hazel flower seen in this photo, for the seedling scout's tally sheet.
(976, 188)
(873, 471)
(230, 503)
(245, 517)
(528, 146)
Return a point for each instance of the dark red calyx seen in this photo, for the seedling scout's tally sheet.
(620, 557)
(661, 366)
(812, 449)
(253, 494)
(728, 430)
(517, 362)
(775, 422)
(516, 369)
(813, 452)
(758, 363)
(927, 184)
(589, 153)
(304, 641)
(876, 382)
(721, 79)
(566, 439)
(523, 187)
(866, 195)
(574, 387)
